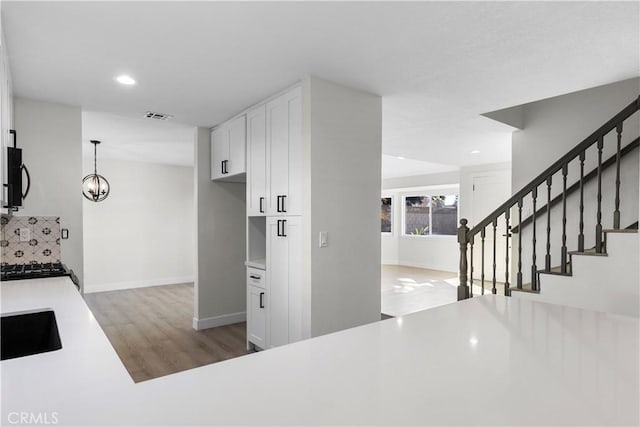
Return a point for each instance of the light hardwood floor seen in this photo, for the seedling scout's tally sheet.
(151, 330)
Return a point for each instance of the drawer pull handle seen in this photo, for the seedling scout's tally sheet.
(253, 276)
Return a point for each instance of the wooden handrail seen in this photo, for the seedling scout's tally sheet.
(576, 186)
(558, 165)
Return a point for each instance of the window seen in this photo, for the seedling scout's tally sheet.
(386, 213)
(426, 215)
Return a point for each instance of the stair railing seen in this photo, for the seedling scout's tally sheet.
(467, 236)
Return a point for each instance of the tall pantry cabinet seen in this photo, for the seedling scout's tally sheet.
(313, 168)
(274, 192)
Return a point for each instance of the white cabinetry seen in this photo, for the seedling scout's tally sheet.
(342, 128)
(284, 154)
(6, 119)
(284, 280)
(256, 308)
(256, 162)
(228, 149)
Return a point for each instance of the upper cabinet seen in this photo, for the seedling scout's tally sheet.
(284, 154)
(274, 156)
(228, 148)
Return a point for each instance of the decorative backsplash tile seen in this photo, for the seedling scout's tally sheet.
(43, 244)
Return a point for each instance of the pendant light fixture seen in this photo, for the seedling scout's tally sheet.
(95, 187)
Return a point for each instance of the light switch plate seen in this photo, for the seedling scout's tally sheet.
(25, 234)
(324, 239)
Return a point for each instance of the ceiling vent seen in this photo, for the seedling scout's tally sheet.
(157, 116)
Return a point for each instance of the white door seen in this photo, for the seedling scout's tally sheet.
(489, 192)
(219, 151)
(284, 154)
(284, 280)
(237, 146)
(256, 162)
(256, 316)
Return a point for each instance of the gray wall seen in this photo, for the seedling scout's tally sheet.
(554, 126)
(51, 138)
(345, 132)
(220, 285)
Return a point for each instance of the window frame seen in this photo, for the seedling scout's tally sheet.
(393, 214)
(426, 193)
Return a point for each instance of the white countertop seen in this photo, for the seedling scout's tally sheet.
(489, 360)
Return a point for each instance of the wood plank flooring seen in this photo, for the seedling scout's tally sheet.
(151, 330)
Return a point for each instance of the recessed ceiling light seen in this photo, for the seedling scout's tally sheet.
(399, 157)
(475, 151)
(125, 80)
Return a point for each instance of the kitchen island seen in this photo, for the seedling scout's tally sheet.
(488, 360)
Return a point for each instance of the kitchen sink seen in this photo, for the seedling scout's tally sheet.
(25, 334)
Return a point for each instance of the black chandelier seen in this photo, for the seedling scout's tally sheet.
(95, 187)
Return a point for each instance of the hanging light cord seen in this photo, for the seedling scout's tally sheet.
(95, 158)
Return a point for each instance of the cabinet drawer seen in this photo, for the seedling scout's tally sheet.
(256, 277)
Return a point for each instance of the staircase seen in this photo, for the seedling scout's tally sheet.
(588, 212)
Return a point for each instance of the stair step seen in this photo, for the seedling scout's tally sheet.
(556, 271)
(526, 287)
(620, 230)
(589, 252)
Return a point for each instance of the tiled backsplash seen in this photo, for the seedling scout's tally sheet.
(43, 244)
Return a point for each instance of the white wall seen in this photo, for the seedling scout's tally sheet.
(608, 284)
(438, 252)
(344, 149)
(142, 234)
(50, 136)
(220, 242)
(432, 252)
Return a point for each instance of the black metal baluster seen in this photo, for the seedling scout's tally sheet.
(581, 234)
(471, 269)
(519, 283)
(534, 268)
(547, 257)
(507, 215)
(495, 226)
(563, 250)
(616, 213)
(599, 199)
(483, 233)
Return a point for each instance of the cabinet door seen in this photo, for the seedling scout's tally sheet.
(237, 129)
(256, 316)
(219, 151)
(256, 162)
(284, 277)
(284, 154)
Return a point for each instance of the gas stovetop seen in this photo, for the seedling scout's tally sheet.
(32, 271)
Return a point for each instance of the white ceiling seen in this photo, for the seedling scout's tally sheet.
(438, 65)
(137, 139)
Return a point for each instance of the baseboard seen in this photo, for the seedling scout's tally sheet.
(104, 287)
(225, 319)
